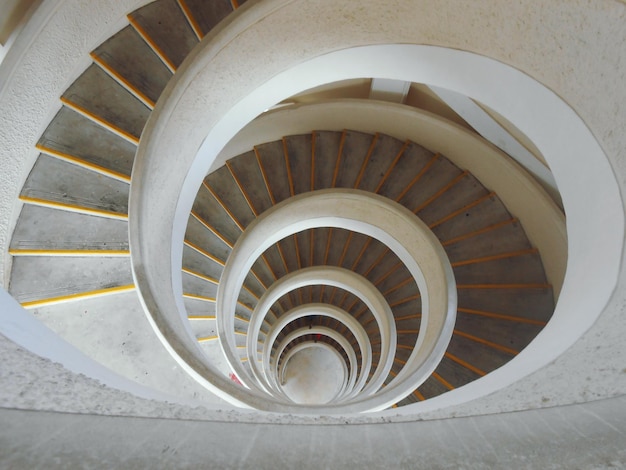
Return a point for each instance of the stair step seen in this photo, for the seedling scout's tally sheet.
(530, 303)
(504, 237)
(195, 286)
(200, 263)
(165, 25)
(487, 212)
(200, 235)
(199, 308)
(297, 151)
(327, 146)
(526, 267)
(204, 15)
(203, 328)
(73, 207)
(467, 190)
(225, 189)
(213, 215)
(56, 181)
(58, 279)
(97, 94)
(379, 162)
(438, 175)
(513, 335)
(271, 160)
(354, 152)
(42, 228)
(70, 134)
(250, 179)
(406, 170)
(129, 59)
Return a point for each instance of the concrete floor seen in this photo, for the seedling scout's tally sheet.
(313, 376)
(535, 439)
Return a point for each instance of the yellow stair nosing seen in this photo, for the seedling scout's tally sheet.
(77, 296)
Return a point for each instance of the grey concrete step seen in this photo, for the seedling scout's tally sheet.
(57, 181)
(129, 59)
(44, 279)
(205, 15)
(78, 139)
(44, 229)
(164, 24)
(99, 97)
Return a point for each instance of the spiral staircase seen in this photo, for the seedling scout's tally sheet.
(81, 180)
(70, 251)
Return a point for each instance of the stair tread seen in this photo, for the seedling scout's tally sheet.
(166, 25)
(46, 228)
(93, 144)
(57, 181)
(36, 278)
(127, 55)
(208, 14)
(99, 94)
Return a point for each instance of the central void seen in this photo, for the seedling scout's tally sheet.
(313, 376)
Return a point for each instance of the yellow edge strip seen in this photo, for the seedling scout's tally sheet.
(204, 253)
(78, 296)
(125, 83)
(409, 317)
(201, 317)
(487, 343)
(99, 120)
(192, 21)
(484, 259)
(200, 276)
(49, 252)
(247, 307)
(441, 192)
(73, 208)
(157, 50)
(77, 161)
(198, 297)
(206, 338)
(447, 384)
(224, 206)
(250, 292)
(461, 210)
(243, 192)
(500, 316)
(212, 230)
(489, 228)
(402, 301)
(465, 364)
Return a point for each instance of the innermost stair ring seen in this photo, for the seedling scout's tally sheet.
(396, 227)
